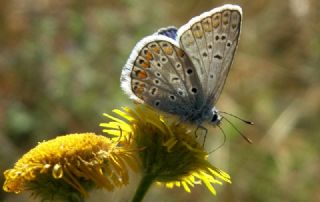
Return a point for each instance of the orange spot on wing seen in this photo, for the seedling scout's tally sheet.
(168, 50)
(155, 49)
(149, 56)
(180, 52)
(216, 20)
(197, 31)
(146, 64)
(206, 24)
(139, 90)
(138, 73)
(142, 75)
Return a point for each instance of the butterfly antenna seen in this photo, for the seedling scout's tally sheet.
(234, 127)
(245, 121)
(224, 141)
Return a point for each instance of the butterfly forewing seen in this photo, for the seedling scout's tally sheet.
(160, 74)
(232, 26)
(210, 40)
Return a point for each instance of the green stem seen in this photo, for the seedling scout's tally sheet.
(143, 187)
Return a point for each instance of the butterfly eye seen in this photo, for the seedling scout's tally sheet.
(214, 118)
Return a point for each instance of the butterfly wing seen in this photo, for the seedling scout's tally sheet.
(170, 32)
(160, 74)
(210, 40)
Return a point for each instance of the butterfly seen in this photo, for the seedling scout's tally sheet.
(183, 71)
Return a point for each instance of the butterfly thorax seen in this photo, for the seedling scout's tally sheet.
(208, 115)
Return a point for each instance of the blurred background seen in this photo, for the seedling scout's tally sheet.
(60, 63)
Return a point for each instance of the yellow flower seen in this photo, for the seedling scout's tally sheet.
(69, 166)
(168, 150)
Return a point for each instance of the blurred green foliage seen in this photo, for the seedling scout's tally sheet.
(60, 63)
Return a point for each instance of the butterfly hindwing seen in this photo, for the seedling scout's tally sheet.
(210, 40)
(160, 74)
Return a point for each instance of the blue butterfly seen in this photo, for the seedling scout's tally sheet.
(183, 71)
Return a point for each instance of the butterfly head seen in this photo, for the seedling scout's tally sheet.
(215, 117)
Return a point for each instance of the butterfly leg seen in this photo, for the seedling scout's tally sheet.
(178, 123)
(205, 133)
(181, 120)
